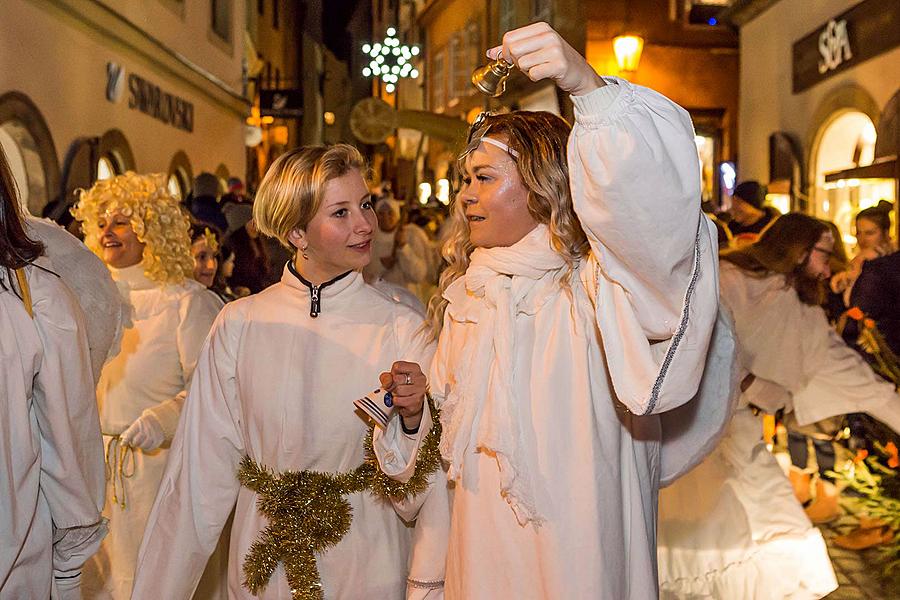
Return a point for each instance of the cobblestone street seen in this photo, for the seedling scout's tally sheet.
(858, 572)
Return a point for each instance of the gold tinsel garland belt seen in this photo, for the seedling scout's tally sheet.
(119, 466)
(308, 512)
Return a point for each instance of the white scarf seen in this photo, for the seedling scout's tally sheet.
(483, 413)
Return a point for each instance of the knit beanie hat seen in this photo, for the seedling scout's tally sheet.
(751, 192)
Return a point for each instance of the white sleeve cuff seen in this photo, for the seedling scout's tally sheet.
(396, 450)
(599, 102)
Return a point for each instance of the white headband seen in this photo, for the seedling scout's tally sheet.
(501, 145)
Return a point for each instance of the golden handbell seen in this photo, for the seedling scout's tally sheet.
(491, 78)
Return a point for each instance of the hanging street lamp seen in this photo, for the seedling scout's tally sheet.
(628, 50)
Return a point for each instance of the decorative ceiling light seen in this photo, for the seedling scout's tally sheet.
(390, 60)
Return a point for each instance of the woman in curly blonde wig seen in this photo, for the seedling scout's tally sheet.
(155, 216)
(579, 303)
(138, 229)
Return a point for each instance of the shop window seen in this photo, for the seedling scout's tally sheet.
(180, 176)
(15, 158)
(704, 12)
(28, 145)
(708, 138)
(846, 142)
(105, 168)
(115, 155)
(459, 67)
(438, 82)
(221, 19)
(706, 152)
(177, 186)
(475, 51)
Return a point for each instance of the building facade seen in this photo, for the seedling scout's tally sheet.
(820, 89)
(687, 55)
(91, 88)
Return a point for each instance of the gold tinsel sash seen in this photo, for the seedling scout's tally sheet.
(308, 512)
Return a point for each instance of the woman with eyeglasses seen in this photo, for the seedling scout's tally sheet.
(735, 516)
(578, 304)
(271, 431)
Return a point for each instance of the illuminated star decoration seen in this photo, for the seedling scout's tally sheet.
(390, 60)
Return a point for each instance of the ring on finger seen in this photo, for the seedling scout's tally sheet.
(408, 379)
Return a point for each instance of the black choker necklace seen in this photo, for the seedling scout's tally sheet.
(315, 291)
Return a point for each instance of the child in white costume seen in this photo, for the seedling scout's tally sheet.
(579, 304)
(270, 430)
(51, 486)
(732, 527)
(138, 229)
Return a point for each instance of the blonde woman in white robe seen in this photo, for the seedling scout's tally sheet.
(578, 304)
(275, 387)
(138, 229)
(51, 485)
(732, 527)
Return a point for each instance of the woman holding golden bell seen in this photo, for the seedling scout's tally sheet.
(578, 305)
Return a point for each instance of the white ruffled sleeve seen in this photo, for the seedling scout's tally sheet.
(199, 489)
(841, 382)
(196, 314)
(635, 183)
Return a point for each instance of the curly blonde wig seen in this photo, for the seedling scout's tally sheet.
(539, 140)
(156, 217)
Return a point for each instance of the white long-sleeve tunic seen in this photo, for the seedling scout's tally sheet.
(51, 482)
(574, 514)
(277, 385)
(416, 261)
(824, 376)
(150, 373)
(735, 516)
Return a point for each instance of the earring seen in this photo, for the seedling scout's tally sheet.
(303, 252)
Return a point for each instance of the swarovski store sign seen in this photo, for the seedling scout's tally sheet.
(149, 98)
(863, 32)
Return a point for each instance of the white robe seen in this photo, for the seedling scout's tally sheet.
(51, 483)
(277, 385)
(416, 263)
(150, 373)
(586, 382)
(732, 528)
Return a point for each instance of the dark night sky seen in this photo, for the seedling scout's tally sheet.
(335, 15)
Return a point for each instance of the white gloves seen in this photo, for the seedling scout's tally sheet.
(145, 433)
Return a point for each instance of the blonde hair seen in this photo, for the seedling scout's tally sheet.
(292, 190)
(539, 139)
(156, 217)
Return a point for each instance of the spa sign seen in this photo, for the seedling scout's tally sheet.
(149, 98)
(863, 32)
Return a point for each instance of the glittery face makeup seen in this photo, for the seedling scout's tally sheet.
(494, 197)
